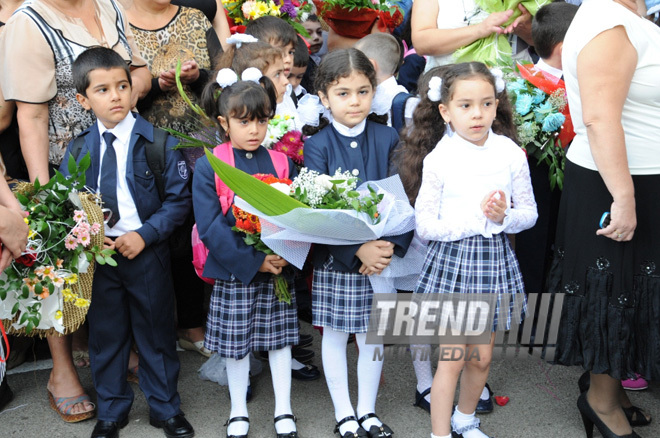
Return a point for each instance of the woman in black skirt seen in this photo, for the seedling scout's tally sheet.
(607, 268)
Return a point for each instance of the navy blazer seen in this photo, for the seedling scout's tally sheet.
(367, 156)
(159, 219)
(228, 253)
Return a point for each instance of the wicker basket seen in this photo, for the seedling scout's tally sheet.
(72, 316)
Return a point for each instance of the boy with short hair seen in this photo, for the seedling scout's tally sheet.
(384, 52)
(299, 70)
(549, 28)
(278, 33)
(136, 298)
(317, 39)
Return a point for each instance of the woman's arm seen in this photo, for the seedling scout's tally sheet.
(141, 77)
(603, 92)
(6, 112)
(220, 25)
(429, 40)
(33, 134)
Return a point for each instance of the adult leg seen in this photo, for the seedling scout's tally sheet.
(604, 397)
(63, 381)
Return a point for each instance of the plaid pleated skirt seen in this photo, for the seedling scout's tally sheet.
(341, 300)
(244, 318)
(477, 265)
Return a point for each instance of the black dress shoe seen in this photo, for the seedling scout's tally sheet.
(293, 434)
(485, 406)
(421, 402)
(175, 427)
(305, 341)
(6, 395)
(108, 429)
(231, 420)
(302, 354)
(309, 372)
(382, 431)
(359, 433)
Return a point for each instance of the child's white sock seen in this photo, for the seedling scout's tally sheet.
(368, 373)
(421, 357)
(467, 425)
(485, 394)
(333, 355)
(280, 370)
(238, 372)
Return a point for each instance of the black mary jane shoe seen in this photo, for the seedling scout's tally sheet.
(635, 415)
(231, 420)
(308, 372)
(174, 427)
(485, 406)
(293, 434)
(421, 402)
(359, 433)
(382, 431)
(108, 429)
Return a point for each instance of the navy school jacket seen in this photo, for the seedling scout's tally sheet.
(228, 254)
(366, 156)
(159, 219)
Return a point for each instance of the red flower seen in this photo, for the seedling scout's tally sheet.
(27, 259)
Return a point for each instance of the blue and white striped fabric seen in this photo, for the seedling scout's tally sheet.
(244, 318)
(341, 300)
(478, 265)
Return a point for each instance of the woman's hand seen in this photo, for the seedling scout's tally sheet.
(189, 74)
(522, 26)
(13, 234)
(375, 256)
(493, 23)
(623, 221)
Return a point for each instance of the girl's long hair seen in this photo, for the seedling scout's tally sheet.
(428, 126)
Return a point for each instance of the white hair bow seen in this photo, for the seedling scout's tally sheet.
(241, 38)
(435, 89)
(499, 79)
(309, 109)
(227, 77)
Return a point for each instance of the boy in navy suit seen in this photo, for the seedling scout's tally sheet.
(136, 298)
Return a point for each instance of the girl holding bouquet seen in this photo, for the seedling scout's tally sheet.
(341, 290)
(244, 315)
(472, 177)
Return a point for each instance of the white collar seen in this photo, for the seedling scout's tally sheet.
(122, 131)
(384, 95)
(544, 66)
(350, 132)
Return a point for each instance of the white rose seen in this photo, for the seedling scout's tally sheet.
(323, 181)
(284, 188)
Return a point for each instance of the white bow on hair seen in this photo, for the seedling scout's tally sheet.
(309, 109)
(227, 77)
(499, 79)
(241, 38)
(435, 89)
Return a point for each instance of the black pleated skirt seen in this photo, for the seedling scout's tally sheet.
(610, 322)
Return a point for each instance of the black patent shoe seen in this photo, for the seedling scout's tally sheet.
(421, 402)
(308, 372)
(635, 415)
(108, 429)
(485, 406)
(231, 420)
(359, 433)
(175, 427)
(590, 418)
(293, 434)
(382, 431)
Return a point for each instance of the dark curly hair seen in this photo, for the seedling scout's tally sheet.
(428, 126)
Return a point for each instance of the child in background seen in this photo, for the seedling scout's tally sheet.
(135, 298)
(341, 290)
(317, 39)
(244, 315)
(469, 182)
(384, 52)
(278, 33)
(549, 28)
(300, 66)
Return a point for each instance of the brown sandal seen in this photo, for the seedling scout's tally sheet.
(64, 405)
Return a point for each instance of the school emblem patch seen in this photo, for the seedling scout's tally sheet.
(183, 169)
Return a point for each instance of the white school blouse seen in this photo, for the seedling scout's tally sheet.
(457, 175)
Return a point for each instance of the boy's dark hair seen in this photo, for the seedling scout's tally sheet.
(429, 126)
(271, 30)
(301, 57)
(244, 99)
(312, 17)
(96, 58)
(549, 26)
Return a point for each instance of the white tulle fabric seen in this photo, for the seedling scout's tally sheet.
(457, 176)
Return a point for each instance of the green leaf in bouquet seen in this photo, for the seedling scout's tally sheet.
(51, 288)
(99, 259)
(258, 194)
(15, 308)
(22, 199)
(84, 164)
(71, 165)
(38, 289)
(110, 261)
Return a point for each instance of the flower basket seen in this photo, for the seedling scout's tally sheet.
(357, 22)
(72, 316)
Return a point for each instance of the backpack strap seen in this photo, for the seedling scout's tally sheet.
(155, 152)
(77, 146)
(225, 152)
(399, 110)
